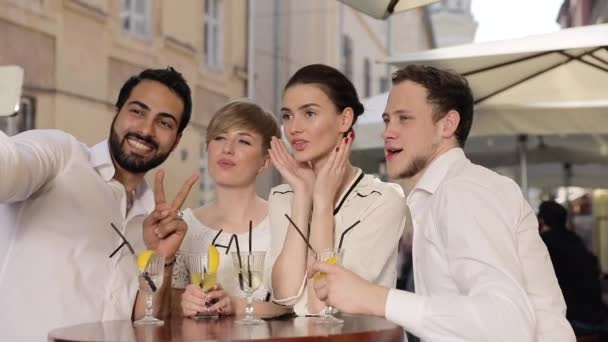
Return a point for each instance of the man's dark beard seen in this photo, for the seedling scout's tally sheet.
(133, 163)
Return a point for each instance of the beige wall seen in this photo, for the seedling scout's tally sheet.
(76, 57)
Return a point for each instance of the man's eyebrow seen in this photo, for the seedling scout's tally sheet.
(168, 115)
(396, 112)
(139, 103)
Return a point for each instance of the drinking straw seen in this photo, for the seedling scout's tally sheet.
(248, 258)
(300, 232)
(250, 228)
(216, 236)
(149, 281)
(238, 253)
(125, 242)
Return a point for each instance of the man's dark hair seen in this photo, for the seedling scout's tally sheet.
(172, 79)
(446, 91)
(553, 214)
(333, 83)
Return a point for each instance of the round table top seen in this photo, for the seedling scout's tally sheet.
(355, 328)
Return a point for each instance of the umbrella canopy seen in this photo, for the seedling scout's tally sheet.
(568, 65)
(492, 120)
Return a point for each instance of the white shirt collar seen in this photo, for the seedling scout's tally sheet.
(437, 170)
(101, 160)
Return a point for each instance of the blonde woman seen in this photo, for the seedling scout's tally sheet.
(238, 139)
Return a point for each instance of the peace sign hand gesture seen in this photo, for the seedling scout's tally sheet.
(164, 230)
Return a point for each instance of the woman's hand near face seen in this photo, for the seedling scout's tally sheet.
(332, 173)
(299, 176)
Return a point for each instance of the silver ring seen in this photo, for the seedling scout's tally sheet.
(180, 214)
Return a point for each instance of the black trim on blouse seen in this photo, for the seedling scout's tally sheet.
(373, 191)
(352, 187)
(281, 192)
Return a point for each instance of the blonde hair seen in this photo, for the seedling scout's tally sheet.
(246, 115)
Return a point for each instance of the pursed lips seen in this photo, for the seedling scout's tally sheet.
(225, 163)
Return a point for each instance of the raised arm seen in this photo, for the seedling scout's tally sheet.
(30, 160)
(287, 246)
(326, 190)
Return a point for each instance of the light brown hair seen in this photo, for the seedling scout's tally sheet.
(244, 114)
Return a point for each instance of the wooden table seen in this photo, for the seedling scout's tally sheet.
(355, 328)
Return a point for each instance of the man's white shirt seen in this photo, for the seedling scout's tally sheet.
(482, 272)
(59, 199)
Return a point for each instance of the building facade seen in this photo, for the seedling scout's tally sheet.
(583, 12)
(77, 53)
(453, 23)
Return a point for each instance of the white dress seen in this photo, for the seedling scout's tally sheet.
(200, 236)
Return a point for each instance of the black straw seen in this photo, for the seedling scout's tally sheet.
(149, 281)
(124, 241)
(216, 236)
(346, 231)
(250, 228)
(249, 257)
(301, 234)
(238, 253)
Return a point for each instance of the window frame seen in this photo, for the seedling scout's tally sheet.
(134, 16)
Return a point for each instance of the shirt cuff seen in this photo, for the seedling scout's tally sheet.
(406, 309)
(293, 300)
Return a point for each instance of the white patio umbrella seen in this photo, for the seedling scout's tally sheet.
(568, 65)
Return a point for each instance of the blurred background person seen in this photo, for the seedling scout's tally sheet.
(577, 271)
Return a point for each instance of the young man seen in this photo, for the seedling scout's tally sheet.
(482, 273)
(65, 207)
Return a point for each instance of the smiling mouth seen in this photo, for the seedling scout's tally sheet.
(140, 146)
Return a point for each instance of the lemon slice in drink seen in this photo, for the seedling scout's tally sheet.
(196, 278)
(144, 258)
(331, 261)
(205, 282)
(209, 281)
(213, 257)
